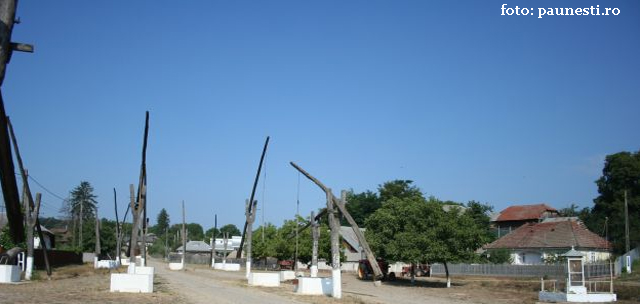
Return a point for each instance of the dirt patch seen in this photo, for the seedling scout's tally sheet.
(81, 284)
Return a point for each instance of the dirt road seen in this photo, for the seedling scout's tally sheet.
(199, 285)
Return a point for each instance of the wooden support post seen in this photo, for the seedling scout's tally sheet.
(115, 203)
(97, 249)
(225, 239)
(142, 190)
(184, 238)
(315, 232)
(31, 216)
(29, 198)
(133, 241)
(213, 240)
(251, 216)
(334, 223)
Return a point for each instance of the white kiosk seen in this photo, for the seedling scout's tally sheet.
(576, 291)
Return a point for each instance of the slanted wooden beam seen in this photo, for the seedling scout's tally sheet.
(341, 206)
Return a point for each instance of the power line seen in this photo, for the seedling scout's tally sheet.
(47, 190)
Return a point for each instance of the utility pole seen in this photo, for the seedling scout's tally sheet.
(251, 216)
(7, 176)
(184, 238)
(97, 249)
(315, 232)
(626, 222)
(115, 203)
(334, 224)
(81, 216)
(133, 241)
(213, 240)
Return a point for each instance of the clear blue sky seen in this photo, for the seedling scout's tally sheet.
(469, 104)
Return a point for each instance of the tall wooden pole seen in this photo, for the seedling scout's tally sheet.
(97, 233)
(315, 232)
(115, 203)
(142, 188)
(626, 223)
(7, 170)
(251, 216)
(213, 240)
(133, 241)
(97, 249)
(184, 237)
(29, 197)
(253, 192)
(334, 223)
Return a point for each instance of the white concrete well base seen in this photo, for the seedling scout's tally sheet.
(266, 279)
(9, 273)
(231, 267)
(110, 264)
(287, 275)
(546, 296)
(218, 266)
(314, 286)
(145, 270)
(176, 266)
(125, 282)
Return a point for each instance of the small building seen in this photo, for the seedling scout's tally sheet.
(351, 248)
(535, 243)
(233, 244)
(513, 217)
(49, 239)
(196, 247)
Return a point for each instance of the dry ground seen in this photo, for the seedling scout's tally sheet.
(81, 284)
(200, 284)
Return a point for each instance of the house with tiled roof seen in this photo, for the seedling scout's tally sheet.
(533, 243)
(513, 217)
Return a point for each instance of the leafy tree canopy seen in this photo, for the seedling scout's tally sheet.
(621, 173)
(399, 189)
(231, 229)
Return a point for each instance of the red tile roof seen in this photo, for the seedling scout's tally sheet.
(524, 212)
(552, 234)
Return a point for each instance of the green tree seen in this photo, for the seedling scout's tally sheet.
(361, 205)
(481, 216)
(162, 222)
(399, 189)
(231, 229)
(499, 256)
(621, 173)
(280, 242)
(570, 211)
(81, 209)
(212, 233)
(194, 232)
(411, 230)
(264, 247)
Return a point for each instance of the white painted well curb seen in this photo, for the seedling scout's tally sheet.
(266, 279)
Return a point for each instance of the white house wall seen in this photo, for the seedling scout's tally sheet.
(533, 257)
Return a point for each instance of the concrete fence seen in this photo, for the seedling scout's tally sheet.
(596, 270)
(500, 270)
(621, 262)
